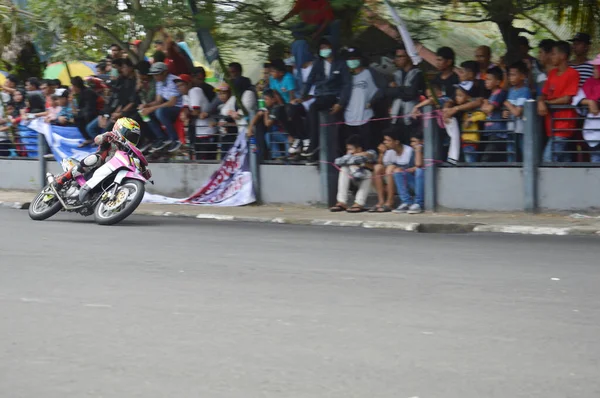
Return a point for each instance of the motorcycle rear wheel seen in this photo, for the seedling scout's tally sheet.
(104, 216)
(40, 210)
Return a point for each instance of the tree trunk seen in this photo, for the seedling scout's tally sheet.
(502, 13)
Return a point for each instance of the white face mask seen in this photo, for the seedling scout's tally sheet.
(325, 53)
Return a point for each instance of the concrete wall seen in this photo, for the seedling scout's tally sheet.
(280, 184)
(23, 174)
(569, 189)
(487, 189)
(484, 189)
(290, 184)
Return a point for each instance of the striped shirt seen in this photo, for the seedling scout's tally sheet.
(586, 70)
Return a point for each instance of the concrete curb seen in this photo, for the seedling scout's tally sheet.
(443, 228)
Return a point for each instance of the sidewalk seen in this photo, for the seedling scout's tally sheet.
(445, 222)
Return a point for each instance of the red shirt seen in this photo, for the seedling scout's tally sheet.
(314, 12)
(558, 86)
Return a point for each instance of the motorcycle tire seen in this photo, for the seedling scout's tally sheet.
(51, 210)
(126, 212)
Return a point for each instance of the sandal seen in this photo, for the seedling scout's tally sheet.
(339, 207)
(374, 209)
(356, 208)
(384, 209)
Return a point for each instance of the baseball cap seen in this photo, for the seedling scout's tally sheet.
(222, 87)
(136, 42)
(183, 78)
(582, 37)
(352, 52)
(467, 87)
(157, 68)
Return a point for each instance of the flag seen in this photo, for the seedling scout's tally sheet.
(211, 51)
(406, 39)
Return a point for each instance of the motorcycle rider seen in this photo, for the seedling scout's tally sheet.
(108, 144)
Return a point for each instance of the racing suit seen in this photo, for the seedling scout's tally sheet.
(108, 145)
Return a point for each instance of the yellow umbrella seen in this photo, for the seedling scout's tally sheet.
(3, 77)
(58, 70)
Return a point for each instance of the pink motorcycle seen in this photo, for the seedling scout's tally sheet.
(113, 191)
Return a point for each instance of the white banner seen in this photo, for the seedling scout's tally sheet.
(230, 185)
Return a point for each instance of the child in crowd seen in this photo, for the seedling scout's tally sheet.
(54, 109)
(470, 136)
(518, 94)
(411, 177)
(66, 115)
(356, 167)
(492, 107)
(269, 122)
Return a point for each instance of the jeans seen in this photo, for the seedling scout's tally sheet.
(274, 141)
(595, 156)
(416, 182)
(93, 128)
(553, 148)
(470, 157)
(167, 117)
(516, 146)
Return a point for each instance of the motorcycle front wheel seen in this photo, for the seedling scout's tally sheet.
(127, 199)
(45, 205)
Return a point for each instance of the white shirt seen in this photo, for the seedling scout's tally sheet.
(327, 68)
(305, 73)
(197, 101)
(406, 159)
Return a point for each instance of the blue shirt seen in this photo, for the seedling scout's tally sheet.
(66, 111)
(168, 89)
(284, 86)
(497, 99)
(518, 96)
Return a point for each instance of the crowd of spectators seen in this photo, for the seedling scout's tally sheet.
(377, 117)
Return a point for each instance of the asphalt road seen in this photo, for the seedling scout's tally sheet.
(162, 307)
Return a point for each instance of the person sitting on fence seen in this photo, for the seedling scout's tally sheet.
(164, 110)
(392, 155)
(560, 88)
(196, 117)
(65, 116)
(494, 128)
(229, 114)
(589, 95)
(269, 123)
(411, 177)
(355, 167)
(518, 94)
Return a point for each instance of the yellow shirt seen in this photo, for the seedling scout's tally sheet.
(470, 128)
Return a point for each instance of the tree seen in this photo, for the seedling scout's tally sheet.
(579, 14)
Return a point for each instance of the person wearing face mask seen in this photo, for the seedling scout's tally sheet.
(359, 111)
(332, 87)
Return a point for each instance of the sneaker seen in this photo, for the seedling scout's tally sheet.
(145, 148)
(158, 145)
(415, 209)
(307, 153)
(403, 208)
(305, 145)
(294, 147)
(174, 146)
